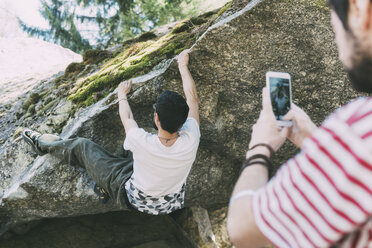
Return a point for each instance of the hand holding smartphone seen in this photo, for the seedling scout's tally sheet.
(279, 85)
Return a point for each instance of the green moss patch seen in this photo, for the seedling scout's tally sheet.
(146, 36)
(181, 27)
(31, 100)
(208, 14)
(46, 107)
(73, 69)
(94, 56)
(224, 8)
(31, 109)
(18, 132)
(137, 60)
(138, 57)
(141, 38)
(191, 23)
(194, 22)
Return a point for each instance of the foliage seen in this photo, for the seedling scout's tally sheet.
(63, 29)
(83, 24)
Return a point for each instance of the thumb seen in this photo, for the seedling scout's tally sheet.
(266, 101)
(289, 116)
(284, 132)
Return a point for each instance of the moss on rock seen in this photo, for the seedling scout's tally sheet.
(31, 109)
(224, 8)
(17, 132)
(181, 27)
(59, 80)
(46, 107)
(192, 23)
(208, 14)
(146, 36)
(72, 70)
(95, 56)
(31, 100)
(138, 57)
(141, 38)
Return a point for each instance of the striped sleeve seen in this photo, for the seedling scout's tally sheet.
(361, 238)
(324, 194)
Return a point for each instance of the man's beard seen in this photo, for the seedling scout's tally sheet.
(360, 74)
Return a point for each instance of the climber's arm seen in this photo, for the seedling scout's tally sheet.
(125, 112)
(189, 86)
(265, 139)
(241, 224)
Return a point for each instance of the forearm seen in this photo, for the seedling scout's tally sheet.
(245, 233)
(125, 111)
(255, 176)
(188, 83)
(252, 178)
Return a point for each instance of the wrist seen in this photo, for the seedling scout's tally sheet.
(122, 98)
(122, 95)
(258, 160)
(258, 150)
(183, 66)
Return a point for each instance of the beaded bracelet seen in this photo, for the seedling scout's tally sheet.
(271, 150)
(267, 163)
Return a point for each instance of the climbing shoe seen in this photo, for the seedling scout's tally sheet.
(103, 196)
(31, 137)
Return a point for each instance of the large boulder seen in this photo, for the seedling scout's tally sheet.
(228, 62)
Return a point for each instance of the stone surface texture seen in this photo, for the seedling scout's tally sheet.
(228, 63)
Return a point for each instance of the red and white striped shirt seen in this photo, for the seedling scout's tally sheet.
(323, 196)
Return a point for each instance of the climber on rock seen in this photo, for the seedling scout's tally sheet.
(323, 196)
(151, 177)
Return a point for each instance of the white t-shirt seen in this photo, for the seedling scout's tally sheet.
(159, 170)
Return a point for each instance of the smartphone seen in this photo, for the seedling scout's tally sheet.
(279, 85)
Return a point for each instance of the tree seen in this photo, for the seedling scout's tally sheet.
(83, 24)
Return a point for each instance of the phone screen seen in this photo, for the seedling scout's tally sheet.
(280, 94)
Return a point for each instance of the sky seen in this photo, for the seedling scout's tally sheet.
(24, 61)
(27, 10)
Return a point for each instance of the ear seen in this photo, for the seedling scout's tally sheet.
(157, 121)
(363, 13)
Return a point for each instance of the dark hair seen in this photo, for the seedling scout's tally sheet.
(341, 7)
(172, 110)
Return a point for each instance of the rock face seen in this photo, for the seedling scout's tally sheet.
(228, 63)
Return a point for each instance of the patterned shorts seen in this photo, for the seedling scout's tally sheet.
(154, 205)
